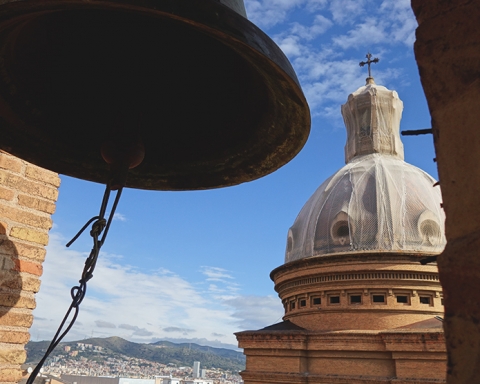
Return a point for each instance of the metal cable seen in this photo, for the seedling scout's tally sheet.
(100, 224)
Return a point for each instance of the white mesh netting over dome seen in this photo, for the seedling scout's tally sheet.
(372, 117)
(375, 203)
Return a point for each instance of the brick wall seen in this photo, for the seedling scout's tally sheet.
(27, 201)
(415, 356)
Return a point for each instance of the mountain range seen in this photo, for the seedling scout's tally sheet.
(164, 352)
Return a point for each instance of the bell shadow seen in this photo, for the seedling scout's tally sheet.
(10, 278)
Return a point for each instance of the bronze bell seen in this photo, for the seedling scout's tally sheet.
(212, 98)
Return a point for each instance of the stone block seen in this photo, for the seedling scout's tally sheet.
(36, 253)
(23, 217)
(10, 162)
(35, 203)
(28, 267)
(14, 337)
(6, 194)
(12, 356)
(17, 319)
(10, 375)
(15, 301)
(31, 187)
(29, 235)
(12, 280)
(43, 175)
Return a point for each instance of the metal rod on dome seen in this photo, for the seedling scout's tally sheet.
(416, 132)
(429, 259)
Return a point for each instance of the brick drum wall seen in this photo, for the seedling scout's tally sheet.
(27, 201)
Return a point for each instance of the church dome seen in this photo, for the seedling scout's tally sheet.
(377, 202)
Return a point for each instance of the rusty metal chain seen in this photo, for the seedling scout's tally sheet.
(100, 224)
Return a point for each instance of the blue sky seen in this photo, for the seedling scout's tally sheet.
(195, 265)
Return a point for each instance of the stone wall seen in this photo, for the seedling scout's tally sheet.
(27, 201)
(447, 50)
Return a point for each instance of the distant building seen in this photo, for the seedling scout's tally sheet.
(67, 348)
(198, 381)
(77, 379)
(196, 369)
(171, 380)
(203, 373)
(128, 380)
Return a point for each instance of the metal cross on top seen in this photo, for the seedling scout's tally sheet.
(368, 62)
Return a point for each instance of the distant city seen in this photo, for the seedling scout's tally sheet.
(85, 363)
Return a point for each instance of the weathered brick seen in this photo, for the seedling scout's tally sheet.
(28, 266)
(27, 186)
(13, 249)
(36, 203)
(15, 301)
(14, 337)
(30, 284)
(41, 174)
(6, 263)
(10, 375)
(7, 247)
(33, 252)
(15, 318)
(13, 280)
(29, 235)
(10, 279)
(10, 162)
(23, 217)
(12, 356)
(6, 194)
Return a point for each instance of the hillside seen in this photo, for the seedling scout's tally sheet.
(161, 352)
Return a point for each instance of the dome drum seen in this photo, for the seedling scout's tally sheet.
(346, 292)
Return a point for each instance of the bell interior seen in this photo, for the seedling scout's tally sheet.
(202, 105)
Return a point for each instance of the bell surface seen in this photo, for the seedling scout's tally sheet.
(211, 97)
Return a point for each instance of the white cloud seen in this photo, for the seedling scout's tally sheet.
(320, 25)
(140, 306)
(119, 216)
(372, 31)
(401, 18)
(183, 331)
(215, 273)
(255, 312)
(292, 41)
(104, 324)
(267, 13)
(290, 45)
(344, 11)
(136, 330)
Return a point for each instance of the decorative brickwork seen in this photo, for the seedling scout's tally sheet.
(285, 353)
(27, 200)
(374, 292)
